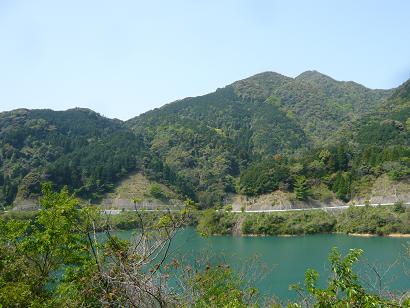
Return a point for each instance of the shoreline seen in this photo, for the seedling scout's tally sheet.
(398, 235)
(392, 235)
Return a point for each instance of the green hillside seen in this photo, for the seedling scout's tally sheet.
(389, 124)
(77, 147)
(256, 135)
(319, 103)
(370, 148)
(209, 139)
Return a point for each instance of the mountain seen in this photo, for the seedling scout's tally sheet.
(389, 124)
(319, 103)
(210, 139)
(364, 161)
(252, 136)
(77, 147)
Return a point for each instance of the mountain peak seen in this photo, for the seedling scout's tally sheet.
(313, 75)
(259, 86)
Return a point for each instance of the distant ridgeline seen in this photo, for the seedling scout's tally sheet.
(310, 135)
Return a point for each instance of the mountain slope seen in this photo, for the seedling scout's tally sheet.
(389, 124)
(201, 146)
(372, 149)
(319, 103)
(209, 139)
(77, 147)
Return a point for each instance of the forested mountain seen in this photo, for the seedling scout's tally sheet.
(387, 125)
(319, 103)
(265, 132)
(376, 144)
(77, 147)
(210, 139)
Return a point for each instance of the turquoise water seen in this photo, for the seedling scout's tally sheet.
(284, 260)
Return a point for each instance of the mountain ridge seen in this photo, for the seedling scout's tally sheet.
(198, 146)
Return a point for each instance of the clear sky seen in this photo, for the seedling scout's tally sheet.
(125, 57)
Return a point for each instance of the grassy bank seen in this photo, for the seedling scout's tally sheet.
(383, 220)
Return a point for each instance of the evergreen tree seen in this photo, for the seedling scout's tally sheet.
(300, 188)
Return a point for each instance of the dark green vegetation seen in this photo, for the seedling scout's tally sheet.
(381, 220)
(305, 134)
(78, 148)
(56, 260)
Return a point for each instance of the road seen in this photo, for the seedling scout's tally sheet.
(115, 212)
(314, 208)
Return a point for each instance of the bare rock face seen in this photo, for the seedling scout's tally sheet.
(136, 187)
(279, 200)
(384, 190)
(25, 205)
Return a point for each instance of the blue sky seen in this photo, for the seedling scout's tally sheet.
(125, 57)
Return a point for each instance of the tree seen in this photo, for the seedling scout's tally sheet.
(31, 251)
(220, 286)
(300, 188)
(343, 288)
(156, 191)
(57, 260)
(341, 186)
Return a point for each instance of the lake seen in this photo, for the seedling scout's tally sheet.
(284, 260)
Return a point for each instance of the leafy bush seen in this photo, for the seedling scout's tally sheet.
(156, 191)
(216, 222)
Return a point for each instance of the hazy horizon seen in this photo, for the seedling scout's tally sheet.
(124, 59)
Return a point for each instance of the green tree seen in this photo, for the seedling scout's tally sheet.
(343, 288)
(32, 251)
(301, 189)
(220, 286)
(156, 191)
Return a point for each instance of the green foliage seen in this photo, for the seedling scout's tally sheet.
(19, 215)
(265, 176)
(156, 191)
(53, 259)
(399, 207)
(254, 136)
(319, 103)
(33, 250)
(343, 169)
(343, 288)
(209, 139)
(381, 220)
(306, 222)
(215, 222)
(321, 192)
(77, 148)
(341, 186)
(374, 220)
(301, 189)
(220, 286)
(388, 124)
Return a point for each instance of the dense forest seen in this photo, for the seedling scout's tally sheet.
(310, 135)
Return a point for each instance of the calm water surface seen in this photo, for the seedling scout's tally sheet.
(285, 259)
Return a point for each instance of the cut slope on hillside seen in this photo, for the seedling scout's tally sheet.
(139, 189)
